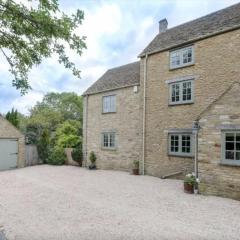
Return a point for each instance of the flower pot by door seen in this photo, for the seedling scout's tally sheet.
(135, 171)
(188, 188)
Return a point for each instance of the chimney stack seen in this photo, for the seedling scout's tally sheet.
(163, 24)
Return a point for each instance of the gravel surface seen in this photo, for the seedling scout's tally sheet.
(71, 203)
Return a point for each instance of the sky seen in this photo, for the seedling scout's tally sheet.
(116, 30)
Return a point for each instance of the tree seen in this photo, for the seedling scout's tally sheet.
(13, 117)
(30, 34)
(67, 135)
(43, 146)
(55, 108)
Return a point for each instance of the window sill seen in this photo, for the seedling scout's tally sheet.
(181, 103)
(108, 149)
(180, 155)
(229, 164)
(182, 66)
(108, 112)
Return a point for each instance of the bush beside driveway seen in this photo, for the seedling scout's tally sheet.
(66, 202)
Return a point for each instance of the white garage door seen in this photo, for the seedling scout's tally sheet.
(8, 153)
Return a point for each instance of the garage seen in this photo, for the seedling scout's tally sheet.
(12, 146)
(9, 153)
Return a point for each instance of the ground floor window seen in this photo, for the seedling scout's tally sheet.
(180, 144)
(108, 140)
(231, 147)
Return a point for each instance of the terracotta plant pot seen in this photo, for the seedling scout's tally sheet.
(135, 171)
(188, 188)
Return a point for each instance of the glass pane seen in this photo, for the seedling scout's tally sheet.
(237, 145)
(112, 103)
(229, 155)
(229, 137)
(229, 145)
(238, 137)
(175, 59)
(105, 140)
(189, 54)
(237, 155)
(112, 140)
(186, 143)
(174, 143)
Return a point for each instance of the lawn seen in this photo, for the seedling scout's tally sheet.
(71, 203)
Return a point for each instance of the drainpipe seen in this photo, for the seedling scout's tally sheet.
(144, 113)
(195, 131)
(86, 121)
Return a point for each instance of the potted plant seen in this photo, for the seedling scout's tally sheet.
(135, 169)
(190, 183)
(92, 159)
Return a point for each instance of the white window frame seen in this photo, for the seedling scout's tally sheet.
(109, 103)
(109, 135)
(180, 153)
(180, 84)
(223, 148)
(180, 52)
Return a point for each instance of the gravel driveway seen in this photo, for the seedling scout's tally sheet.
(47, 202)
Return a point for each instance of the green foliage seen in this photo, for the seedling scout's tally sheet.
(68, 141)
(44, 145)
(23, 121)
(136, 164)
(30, 34)
(47, 118)
(191, 179)
(54, 110)
(67, 135)
(57, 156)
(68, 104)
(13, 117)
(92, 157)
(33, 132)
(77, 154)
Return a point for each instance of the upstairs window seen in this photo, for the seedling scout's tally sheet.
(180, 144)
(109, 104)
(181, 92)
(231, 147)
(181, 57)
(108, 140)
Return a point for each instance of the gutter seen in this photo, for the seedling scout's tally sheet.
(144, 113)
(110, 89)
(86, 121)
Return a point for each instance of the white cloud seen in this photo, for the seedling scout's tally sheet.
(117, 31)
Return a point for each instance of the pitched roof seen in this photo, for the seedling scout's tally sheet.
(119, 77)
(211, 24)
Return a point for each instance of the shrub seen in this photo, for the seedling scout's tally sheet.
(92, 158)
(136, 164)
(57, 156)
(77, 155)
(43, 146)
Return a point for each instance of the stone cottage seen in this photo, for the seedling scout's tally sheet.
(187, 76)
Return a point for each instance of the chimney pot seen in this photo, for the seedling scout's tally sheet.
(163, 24)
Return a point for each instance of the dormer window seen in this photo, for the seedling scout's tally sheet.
(181, 57)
